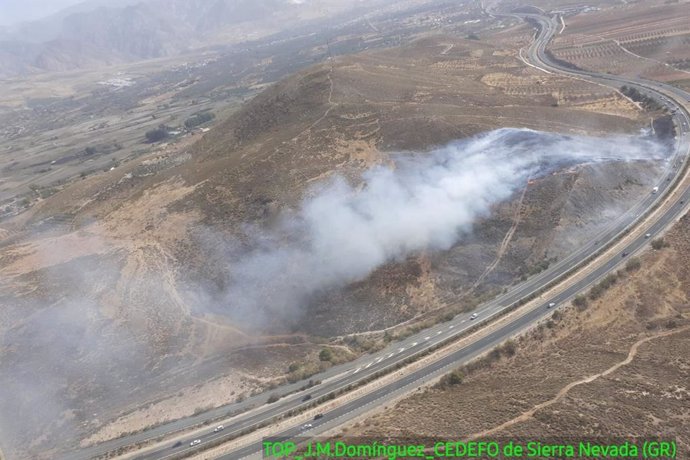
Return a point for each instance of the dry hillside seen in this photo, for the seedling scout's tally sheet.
(616, 369)
(126, 270)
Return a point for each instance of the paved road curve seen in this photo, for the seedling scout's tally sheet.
(346, 374)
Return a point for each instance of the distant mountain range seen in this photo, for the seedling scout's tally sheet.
(99, 32)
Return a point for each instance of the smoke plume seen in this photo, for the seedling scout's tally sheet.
(341, 233)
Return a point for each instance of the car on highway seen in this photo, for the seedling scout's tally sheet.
(647, 235)
(474, 316)
(177, 444)
(196, 442)
(306, 398)
(625, 253)
(218, 428)
(551, 305)
(318, 416)
(306, 426)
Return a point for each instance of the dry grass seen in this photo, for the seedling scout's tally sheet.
(618, 369)
(327, 119)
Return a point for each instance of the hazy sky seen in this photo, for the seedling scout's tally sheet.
(14, 11)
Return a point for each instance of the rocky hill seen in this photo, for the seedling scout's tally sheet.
(144, 275)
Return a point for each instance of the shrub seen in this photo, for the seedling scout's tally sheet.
(293, 367)
(580, 301)
(455, 378)
(510, 348)
(633, 265)
(326, 355)
(659, 243)
(156, 135)
(451, 379)
(448, 316)
(601, 287)
(273, 398)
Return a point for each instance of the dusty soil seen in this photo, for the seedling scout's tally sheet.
(109, 264)
(649, 39)
(616, 369)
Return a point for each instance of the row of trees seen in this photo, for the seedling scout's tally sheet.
(647, 102)
(198, 119)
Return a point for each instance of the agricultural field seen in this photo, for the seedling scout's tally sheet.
(650, 39)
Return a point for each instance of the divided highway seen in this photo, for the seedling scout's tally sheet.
(347, 374)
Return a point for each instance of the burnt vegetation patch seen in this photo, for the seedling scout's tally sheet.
(648, 102)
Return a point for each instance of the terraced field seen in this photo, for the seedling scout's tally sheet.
(650, 40)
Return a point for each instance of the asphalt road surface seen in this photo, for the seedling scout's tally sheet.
(352, 372)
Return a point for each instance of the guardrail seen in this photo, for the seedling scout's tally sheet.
(425, 351)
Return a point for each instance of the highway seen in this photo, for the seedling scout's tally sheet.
(350, 373)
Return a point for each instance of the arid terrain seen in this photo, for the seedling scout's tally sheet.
(649, 39)
(115, 281)
(615, 369)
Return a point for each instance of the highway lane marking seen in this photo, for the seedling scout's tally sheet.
(439, 332)
(401, 350)
(414, 344)
(376, 401)
(427, 338)
(389, 356)
(379, 397)
(531, 65)
(378, 360)
(451, 326)
(368, 366)
(357, 370)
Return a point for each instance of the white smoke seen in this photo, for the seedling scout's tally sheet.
(340, 234)
(66, 367)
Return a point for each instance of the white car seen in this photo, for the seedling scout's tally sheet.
(307, 426)
(196, 442)
(551, 305)
(218, 428)
(474, 316)
(648, 235)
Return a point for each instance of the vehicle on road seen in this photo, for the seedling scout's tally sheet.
(551, 305)
(306, 398)
(647, 235)
(177, 444)
(307, 426)
(318, 416)
(474, 316)
(196, 442)
(655, 189)
(625, 253)
(218, 428)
